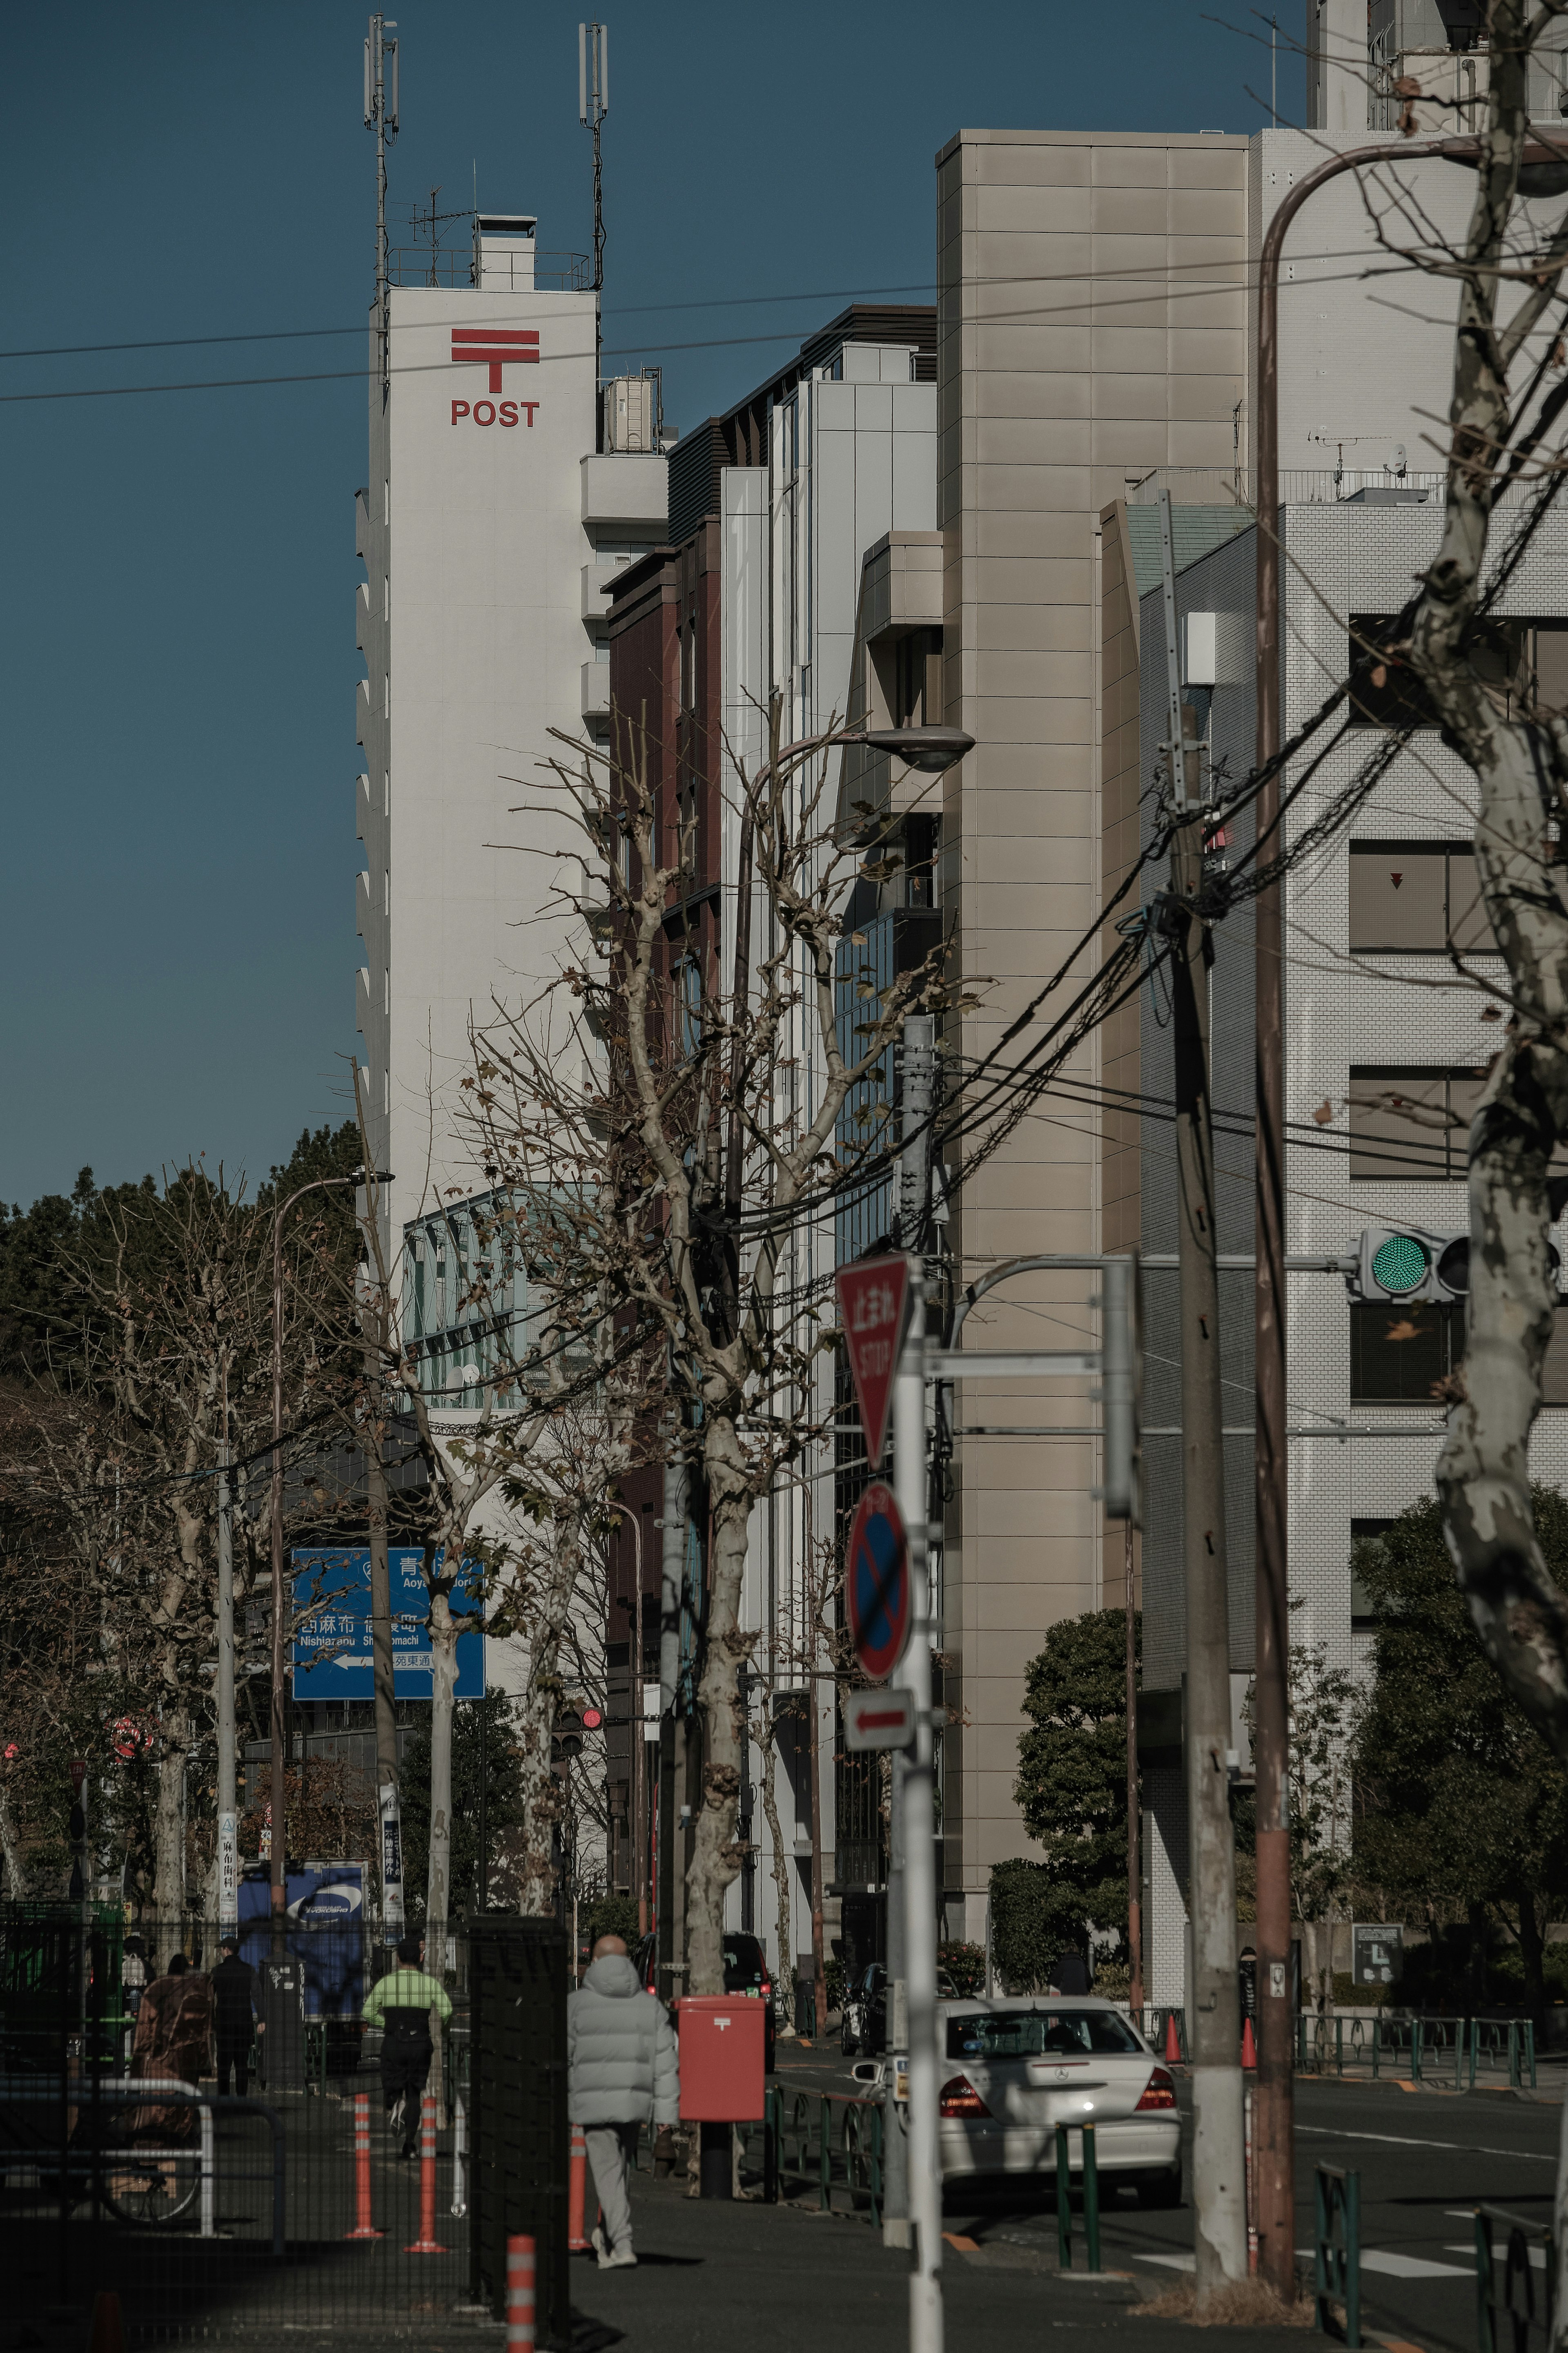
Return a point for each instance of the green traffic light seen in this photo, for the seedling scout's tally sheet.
(1400, 1263)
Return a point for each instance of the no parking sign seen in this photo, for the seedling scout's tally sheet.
(877, 1582)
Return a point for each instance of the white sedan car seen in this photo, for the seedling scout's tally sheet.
(1015, 2067)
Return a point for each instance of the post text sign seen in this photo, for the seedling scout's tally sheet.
(331, 1650)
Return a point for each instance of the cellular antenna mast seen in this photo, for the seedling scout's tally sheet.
(593, 105)
(381, 116)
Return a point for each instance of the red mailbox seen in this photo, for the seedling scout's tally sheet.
(721, 2058)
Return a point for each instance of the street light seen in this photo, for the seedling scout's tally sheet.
(930, 749)
(355, 1176)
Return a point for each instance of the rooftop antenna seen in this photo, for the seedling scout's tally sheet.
(381, 116)
(593, 105)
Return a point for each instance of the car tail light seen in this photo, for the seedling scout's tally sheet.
(1160, 2093)
(960, 2098)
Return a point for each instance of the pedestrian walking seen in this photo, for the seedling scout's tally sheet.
(173, 2042)
(236, 2010)
(622, 2073)
(400, 2004)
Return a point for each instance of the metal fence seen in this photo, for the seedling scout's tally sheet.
(1515, 2286)
(818, 2144)
(229, 2217)
(1456, 2053)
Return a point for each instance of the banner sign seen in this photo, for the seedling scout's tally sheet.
(332, 1656)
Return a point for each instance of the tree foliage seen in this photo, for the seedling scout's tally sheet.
(484, 1752)
(1461, 1806)
(1072, 1768)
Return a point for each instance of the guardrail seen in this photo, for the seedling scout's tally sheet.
(1449, 2051)
(1523, 2311)
(804, 2141)
(1336, 2248)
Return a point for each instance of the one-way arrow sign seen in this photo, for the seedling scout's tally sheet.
(874, 1300)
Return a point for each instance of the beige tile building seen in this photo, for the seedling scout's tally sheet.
(1092, 330)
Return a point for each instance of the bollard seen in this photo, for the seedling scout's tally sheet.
(577, 2243)
(1064, 2202)
(520, 2295)
(426, 2243)
(460, 2156)
(108, 2332)
(362, 2229)
(1090, 2198)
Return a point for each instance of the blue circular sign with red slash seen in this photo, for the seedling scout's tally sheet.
(877, 1582)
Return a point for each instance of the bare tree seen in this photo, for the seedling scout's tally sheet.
(725, 1119)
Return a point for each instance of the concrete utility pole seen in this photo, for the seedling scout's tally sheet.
(919, 1070)
(227, 1824)
(387, 1780)
(923, 2156)
(1219, 2158)
(375, 1320)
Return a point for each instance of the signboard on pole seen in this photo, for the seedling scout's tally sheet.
(874, 1300)
(879, 1719)
(877, 1593)
(333, 1635)
(1377, 1952)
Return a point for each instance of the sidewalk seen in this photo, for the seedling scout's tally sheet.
(712, 2277)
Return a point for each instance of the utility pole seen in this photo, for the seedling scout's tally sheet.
(918, 1062)
(381, 116)
(228, 1826)
(1134, 1842)
(375, 1320)
(672, 1570)
(923, 2155)
(593, 105)
(1219, 2188)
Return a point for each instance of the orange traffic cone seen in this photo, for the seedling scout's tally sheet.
(1172, 2040)
(108, 2328)
(1248, 2047)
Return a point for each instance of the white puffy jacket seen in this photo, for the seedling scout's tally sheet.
(622, 2065)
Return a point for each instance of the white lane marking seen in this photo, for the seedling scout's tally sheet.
(1499, 2253)
(1409, 2140)
(1376, 2259)
(1177, 2263)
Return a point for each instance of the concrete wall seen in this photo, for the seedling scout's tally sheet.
(1093, 320)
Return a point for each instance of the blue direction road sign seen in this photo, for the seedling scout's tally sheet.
(331, 1627)
(877, 1582)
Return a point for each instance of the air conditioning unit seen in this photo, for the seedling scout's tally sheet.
(629, 418)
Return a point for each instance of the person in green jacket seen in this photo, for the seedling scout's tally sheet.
(400, 2004)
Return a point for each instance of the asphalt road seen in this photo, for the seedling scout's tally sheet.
(1426, 2160)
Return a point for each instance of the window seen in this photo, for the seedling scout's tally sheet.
(1526, 661)
(1411, 898)
(1400, 1355)
(1040, 2033)
(1412, 1123)
(688, 1006)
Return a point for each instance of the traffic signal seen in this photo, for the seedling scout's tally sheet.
(1400, 1265)
(572, 1722)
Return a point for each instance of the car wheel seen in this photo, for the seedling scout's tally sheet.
(1160, 2189)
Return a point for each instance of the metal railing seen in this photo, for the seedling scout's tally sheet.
(1336, 2249)
(1453, 2052)
(1527, 2249)
(1090, 2186)
(1155, 2021)
(826, 2138)
(453, 266)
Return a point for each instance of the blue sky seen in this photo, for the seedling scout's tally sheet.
(177, 660)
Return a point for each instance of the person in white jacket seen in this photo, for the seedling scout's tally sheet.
(622, 2071)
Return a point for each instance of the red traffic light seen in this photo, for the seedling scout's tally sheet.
(592, 1718)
